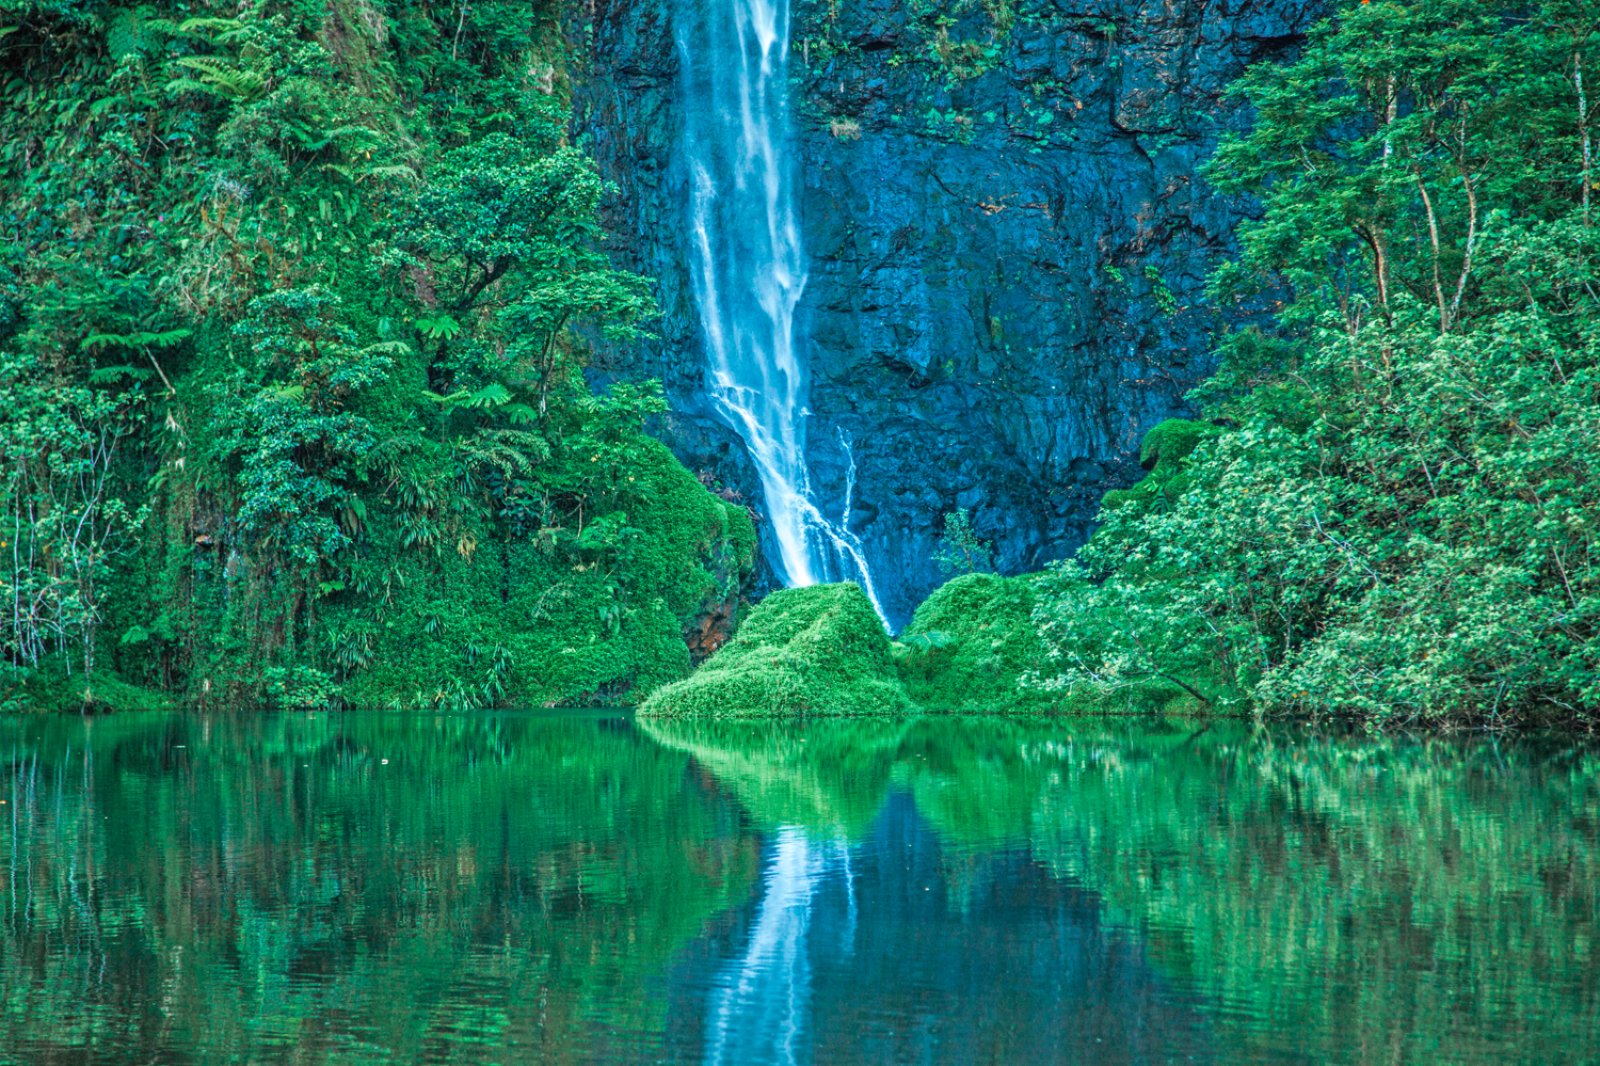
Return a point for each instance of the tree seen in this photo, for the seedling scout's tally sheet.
(67, 525)
(1397, 520)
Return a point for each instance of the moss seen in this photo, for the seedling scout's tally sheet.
(531, 622)
(692, 548)
(1165, 453)
(969, 645)
(812, 651)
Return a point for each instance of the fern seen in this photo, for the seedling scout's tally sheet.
(438, 327)
(400, 171)
(220, 79)
(226, 29)
(140, 341)
(127, 33)
(513, 453)
(491, 395)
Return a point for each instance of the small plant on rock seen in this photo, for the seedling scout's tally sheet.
(961, 550)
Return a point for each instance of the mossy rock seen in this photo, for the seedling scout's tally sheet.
(970, 643)
(817, 651)
(1165, 454)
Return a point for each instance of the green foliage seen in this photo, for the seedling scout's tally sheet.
(549, 613)
(1165, 299)
(293, 357)
(970, 645)
(299, 455)
(298, 688)
(960, 549)
(818, 651)
(1396, 521)
(1164, 454)
(52, 688)
(69, 522)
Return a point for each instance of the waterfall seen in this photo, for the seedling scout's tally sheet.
(748, 269)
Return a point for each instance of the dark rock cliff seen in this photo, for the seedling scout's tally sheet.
(1008, 243)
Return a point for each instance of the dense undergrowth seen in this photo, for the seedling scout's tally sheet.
(294, 300)
(1392, 510)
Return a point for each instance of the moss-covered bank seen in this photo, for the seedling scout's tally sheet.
(812, 651)
(822, 652)
(970, 645)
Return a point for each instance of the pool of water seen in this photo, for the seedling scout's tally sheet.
(587, 888)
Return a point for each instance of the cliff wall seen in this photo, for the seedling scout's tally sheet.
(1008, 244)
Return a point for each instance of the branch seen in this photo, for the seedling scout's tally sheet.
(1433, 235)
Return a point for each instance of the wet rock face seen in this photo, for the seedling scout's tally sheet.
(1008, 243)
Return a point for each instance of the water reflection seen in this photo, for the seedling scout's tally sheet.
(353, 888)
(537, 888)
(1314, 897)
(761, 1003)
(913, 953)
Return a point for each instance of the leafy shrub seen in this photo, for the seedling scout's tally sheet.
(1395, 517)
(960, 550)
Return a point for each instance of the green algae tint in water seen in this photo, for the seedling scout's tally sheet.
(366, 888)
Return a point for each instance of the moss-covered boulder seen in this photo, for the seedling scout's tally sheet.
(812, 651)
(969, 645)
(1165, 454)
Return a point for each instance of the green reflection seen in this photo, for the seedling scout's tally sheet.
(351, 888)
(1362, 898)
(826, 775)
(542, 888)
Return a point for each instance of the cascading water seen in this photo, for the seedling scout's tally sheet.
(748, 269)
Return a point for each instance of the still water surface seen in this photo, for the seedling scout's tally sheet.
(571, 888)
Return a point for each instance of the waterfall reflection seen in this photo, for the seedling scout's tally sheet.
(361, 888)
(761, 1003)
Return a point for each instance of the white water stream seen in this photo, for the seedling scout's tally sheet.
(748, 270)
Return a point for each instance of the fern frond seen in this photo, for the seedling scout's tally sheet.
(229, 81)
(163, 339)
